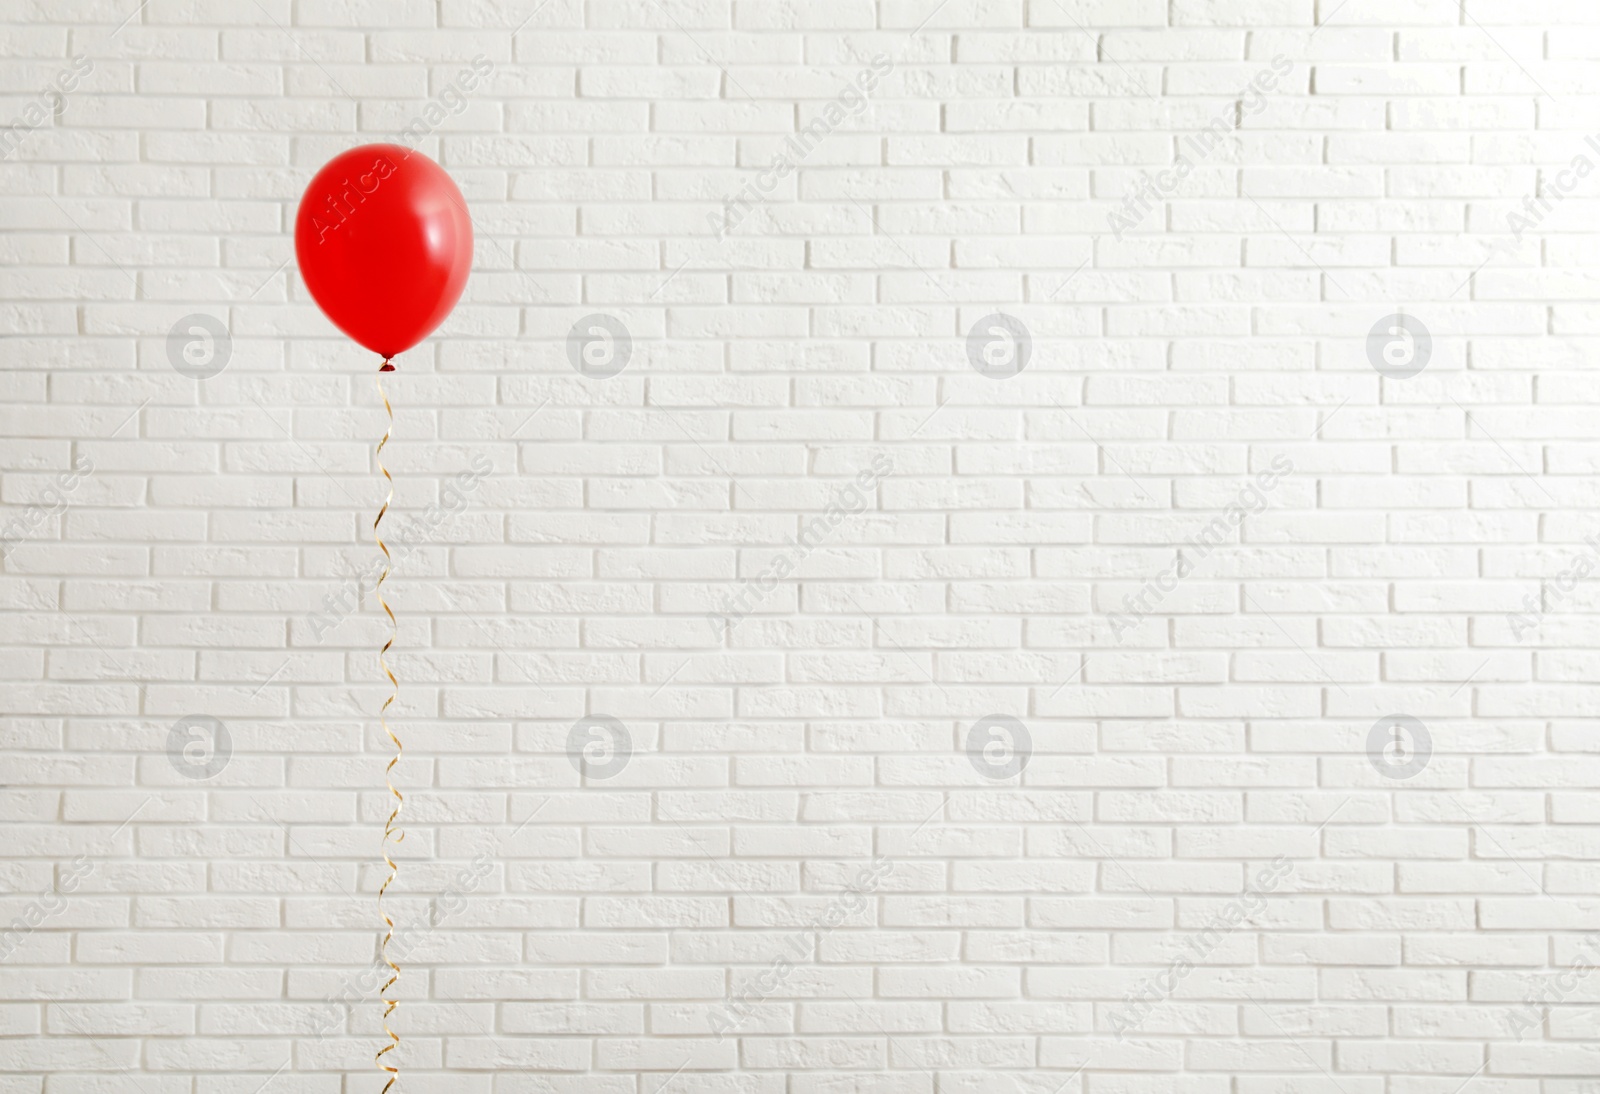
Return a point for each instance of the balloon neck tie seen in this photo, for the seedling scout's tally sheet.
(391, 833)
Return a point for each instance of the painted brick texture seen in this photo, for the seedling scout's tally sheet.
(1021, 545)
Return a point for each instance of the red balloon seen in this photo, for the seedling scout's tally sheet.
(384, 243)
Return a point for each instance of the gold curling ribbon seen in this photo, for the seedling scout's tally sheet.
(391, 834)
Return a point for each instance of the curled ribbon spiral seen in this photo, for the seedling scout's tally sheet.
(391, 834)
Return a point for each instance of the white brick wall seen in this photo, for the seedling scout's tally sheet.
(1200, 549)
